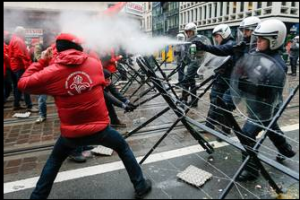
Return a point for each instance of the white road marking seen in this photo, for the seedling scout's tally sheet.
(109, 167)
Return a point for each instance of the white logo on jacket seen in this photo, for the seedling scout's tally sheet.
(77, 82)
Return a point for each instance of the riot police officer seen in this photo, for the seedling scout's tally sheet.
(179, 54)
(224, 46)
(266, 75)
(192, 59)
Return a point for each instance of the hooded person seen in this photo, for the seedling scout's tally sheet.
(76, 82)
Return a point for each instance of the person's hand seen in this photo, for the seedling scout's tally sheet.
(199, 45)
(240, 46)
(47, 54)
(239, 49)
(130, 107)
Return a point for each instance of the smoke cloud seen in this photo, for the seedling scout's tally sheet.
(103, 33)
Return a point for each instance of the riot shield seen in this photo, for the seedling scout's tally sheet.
(202, 54)
(210, 64)
(256, 86)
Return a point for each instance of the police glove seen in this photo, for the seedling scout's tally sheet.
(239, 49)
(199, 45)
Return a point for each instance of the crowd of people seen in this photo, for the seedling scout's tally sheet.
(79, 79)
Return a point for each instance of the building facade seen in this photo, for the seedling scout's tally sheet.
(135, 10)
(39, 17)
(165, 19)
(148, 18)
(206, 15)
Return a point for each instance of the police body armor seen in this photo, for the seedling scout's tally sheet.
(256, 85)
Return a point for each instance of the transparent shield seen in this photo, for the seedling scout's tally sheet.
(202, 54)
(210, 64)
(256, 86)
(240, 36)
(253, 41)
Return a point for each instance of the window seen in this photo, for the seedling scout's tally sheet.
(294, 11)
(242, 6)
(250, 6)
(221, 8)
(258, 4)
(188, 17)
(209, 11)
(181, 20)
(293, 4)
(227, 10)
(234, 7)
(196, 14)
(204, 12)
(269, 3)
(258, 12)
(192, 15)
(268, 11)
(216, 9)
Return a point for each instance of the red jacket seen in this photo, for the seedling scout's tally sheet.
(18, 54)
(77, 87)
(5, 58)
(111, 64)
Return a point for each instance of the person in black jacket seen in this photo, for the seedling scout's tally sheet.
(224, 46)
(270, 45)
(114, 97)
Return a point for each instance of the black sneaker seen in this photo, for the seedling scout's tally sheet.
(248, 176)
(77, 158)
(286, 150)
(18, 108)
(143, 192)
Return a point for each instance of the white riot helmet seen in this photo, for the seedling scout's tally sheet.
(296, 39)
(250, 23)
(180, 37)
(272, 30)
(191, 27)
(223, 30)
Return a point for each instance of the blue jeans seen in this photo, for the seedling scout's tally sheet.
(64, 146)
(228, 100)
(214, 114)
(251, 130)
(18, 93)
(42, 105)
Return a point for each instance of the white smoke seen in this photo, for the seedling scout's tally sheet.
(103, 33)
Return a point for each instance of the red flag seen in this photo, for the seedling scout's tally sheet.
(114, 9)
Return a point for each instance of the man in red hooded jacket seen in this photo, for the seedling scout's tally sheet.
(77, 87)
(19, 60)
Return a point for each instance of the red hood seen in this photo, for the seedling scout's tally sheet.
(71, 57)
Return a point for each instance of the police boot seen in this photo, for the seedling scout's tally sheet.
(250, 172)
(184, 97)
(286, 150)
